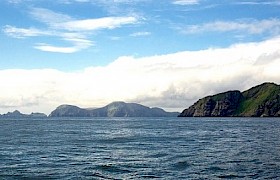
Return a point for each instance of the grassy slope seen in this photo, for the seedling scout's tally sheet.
(256, 96)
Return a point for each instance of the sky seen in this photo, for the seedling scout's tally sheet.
(159, 53)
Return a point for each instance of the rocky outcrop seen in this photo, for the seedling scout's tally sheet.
(262, 100)
(115, 109)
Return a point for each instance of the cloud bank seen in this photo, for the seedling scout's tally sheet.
(172, 81)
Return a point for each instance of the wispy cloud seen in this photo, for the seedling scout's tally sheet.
(14, 1)
(78, 40)
(249, 26)
(96, 24)
(71, 1)
(276, 2)
(59, 1)
(24, 32)
(48, 17)
(50, 48)
(142, 33)
(65, 22)
(78, 44)
(186, 2)
(66, 28)
(172, 81)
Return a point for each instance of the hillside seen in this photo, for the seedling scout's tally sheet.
(69, 111)
(261, 100)
(115, 109)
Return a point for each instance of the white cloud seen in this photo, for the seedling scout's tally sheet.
(250, 26)
(50, 48)
(96, 24)
(172, 81)
(79, 44)
(186, 2)
(142, 33)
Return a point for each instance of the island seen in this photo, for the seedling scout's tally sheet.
(114, 109)
(18, 114)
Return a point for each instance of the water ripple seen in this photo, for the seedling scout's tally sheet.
(139, 148)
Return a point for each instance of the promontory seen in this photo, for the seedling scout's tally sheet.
(259, 101)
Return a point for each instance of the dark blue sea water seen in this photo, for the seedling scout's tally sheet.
(140, 148)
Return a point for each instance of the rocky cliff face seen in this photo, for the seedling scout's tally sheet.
(262, 100)
(223, 104)
(115, 109)
(269, 108)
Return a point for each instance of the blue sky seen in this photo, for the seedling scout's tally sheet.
(101, 31)
(107, 41)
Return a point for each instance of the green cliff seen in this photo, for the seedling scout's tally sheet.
(261, 100)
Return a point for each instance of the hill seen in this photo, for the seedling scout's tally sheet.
(261, 100)
(115, 109)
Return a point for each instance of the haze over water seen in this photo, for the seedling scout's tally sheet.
(137, 148)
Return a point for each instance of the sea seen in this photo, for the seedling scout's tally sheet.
(140, 148)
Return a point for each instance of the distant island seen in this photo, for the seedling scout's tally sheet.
(260, 101)
(114, 109)
(17, 114)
